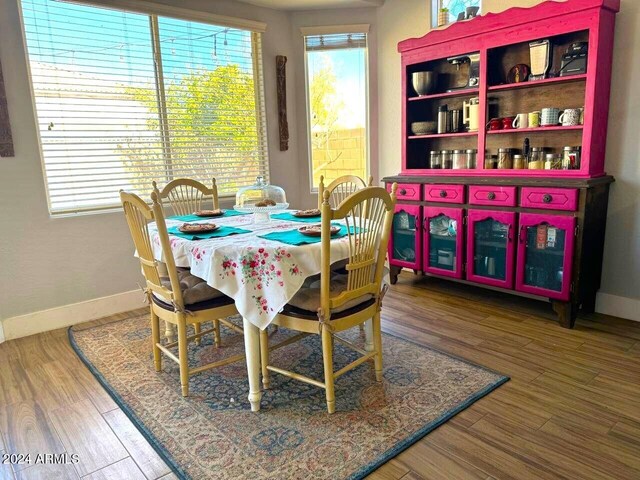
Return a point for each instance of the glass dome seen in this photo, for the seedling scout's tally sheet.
(261, 198)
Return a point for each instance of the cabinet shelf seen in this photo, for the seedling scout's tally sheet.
(538, 83)
(456, 93)
(554, 128)
(443, 135)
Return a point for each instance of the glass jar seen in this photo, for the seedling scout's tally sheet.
(571, 158)
(553, 161)
(472, 158)
(519, 162)
(435, 161)
(505, 158)
(491, 162)
(459, 159)
(536, 158)
(446, 159)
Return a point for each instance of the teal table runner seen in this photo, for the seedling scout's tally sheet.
(292, 218)
(223, 231)
(294, 237)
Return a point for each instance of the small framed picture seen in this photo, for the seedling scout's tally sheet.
(444, 12)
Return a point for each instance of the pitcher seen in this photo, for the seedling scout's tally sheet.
(471, 113)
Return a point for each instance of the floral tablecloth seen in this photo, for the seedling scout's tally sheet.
(260, 275)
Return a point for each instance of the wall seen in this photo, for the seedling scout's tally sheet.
(343, 153)
(47, 263)
(620, 291)
(323, 18)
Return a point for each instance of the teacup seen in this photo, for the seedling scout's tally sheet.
(521, 121)
(494, 124)
(549, 116)
(534, 119)
(507, 123)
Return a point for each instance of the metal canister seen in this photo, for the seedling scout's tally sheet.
(447, 160)
(443, 119)
(459, 159)
(435, 161)
(552, 161)
(519, 162)
(505, 158)
(472, 157)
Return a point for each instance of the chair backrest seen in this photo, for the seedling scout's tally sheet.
(368, 214)
(186, 195)
(340, 189)
(139, 215)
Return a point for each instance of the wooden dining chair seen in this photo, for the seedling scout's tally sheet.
(341, 302)
(341, 188)
(179, 298)
(186, 195)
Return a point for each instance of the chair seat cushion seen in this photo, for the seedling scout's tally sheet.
(194, 289)
(308, 297)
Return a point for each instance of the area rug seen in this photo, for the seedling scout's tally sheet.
(214, 435)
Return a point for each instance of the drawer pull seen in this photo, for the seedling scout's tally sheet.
(443, 193)
(403, 191)
(491, 196)
(546, 198)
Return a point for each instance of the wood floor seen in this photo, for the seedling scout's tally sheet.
(571, 409)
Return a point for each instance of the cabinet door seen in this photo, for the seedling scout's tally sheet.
(405, 244)
(490, 247)
(442, 253)
(545, 255)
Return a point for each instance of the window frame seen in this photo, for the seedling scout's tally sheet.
(154, 11)
(331, 30)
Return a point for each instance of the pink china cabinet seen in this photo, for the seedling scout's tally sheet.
(504, 125)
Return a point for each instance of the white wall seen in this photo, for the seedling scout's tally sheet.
(620, 291)
(47, 263)
(324, 18)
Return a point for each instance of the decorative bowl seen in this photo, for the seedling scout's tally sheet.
(423, 128)
(424, 82)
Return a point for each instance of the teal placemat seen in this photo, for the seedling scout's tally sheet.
(221, 232)
(294, 237)
(292, 218)
(195, 218)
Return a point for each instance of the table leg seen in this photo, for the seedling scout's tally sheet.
(252, 350)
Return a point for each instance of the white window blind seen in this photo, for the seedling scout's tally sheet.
(125, 98)
(335, 41)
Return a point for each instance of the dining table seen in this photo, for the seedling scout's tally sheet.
(260, 266)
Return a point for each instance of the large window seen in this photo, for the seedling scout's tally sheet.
(125, 98)
(337, 105)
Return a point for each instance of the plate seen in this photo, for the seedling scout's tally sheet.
(316, 230)
(209, 213)
(198, 227)
(314, 212)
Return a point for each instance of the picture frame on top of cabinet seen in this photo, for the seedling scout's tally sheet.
(6, 140)
(455, 9)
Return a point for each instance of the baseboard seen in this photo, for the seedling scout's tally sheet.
(617, 306)
(66, 315)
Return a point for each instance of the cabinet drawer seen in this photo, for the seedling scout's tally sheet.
(444, 193)
(406, 191)
(549, 198)
(492, 195)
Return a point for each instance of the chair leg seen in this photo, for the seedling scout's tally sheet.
(169, 331)
(182, 355)
(368, 335)
(264, 358)
(155, 339)
(216, 332)
(197, 327)
(327, 357)
(377, 344)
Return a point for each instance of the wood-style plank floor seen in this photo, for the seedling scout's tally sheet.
(571, 409)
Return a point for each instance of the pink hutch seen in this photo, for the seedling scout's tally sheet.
(522, 210)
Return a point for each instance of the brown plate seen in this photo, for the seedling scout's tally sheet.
(316, 230)
(209, 213)
(314, 212)
(198, 227)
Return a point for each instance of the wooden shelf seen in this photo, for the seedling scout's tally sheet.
(456, 93)
(443, 135)
(546, 81)
(535, 130)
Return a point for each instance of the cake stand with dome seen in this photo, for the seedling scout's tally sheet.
(261, 199)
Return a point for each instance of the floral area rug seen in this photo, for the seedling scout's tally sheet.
(214, 435)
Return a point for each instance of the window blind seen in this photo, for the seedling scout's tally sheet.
(335, 41)
(124, 98)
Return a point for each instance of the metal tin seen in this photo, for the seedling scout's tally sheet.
(459, 159)
(447, 160)
(472, 157)
(435, 161)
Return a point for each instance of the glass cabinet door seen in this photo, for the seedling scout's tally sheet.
(443, 241)
(405, 243)
(545, 253)
(490, 248)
